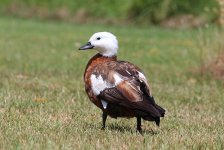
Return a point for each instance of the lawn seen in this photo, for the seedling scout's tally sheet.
(43, 104)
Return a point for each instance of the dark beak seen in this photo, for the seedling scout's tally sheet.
(86, 46)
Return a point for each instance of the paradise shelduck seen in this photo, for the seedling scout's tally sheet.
(118, 88)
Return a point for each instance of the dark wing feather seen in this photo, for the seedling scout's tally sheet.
(115, 96)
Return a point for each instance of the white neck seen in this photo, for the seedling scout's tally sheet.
(108, 54)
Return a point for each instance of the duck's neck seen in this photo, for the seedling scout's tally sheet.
(98, 59)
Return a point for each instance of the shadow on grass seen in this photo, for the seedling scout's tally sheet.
(121, 129)
(124, 129)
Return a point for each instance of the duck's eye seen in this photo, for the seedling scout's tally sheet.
(98, 38)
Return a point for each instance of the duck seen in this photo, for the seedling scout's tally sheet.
(119, 88)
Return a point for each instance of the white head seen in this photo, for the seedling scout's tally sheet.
(104, 42)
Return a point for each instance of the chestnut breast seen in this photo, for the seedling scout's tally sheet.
(93, 62)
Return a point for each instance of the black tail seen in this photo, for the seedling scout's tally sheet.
(159, 108)
(160, 112)
(149, 117)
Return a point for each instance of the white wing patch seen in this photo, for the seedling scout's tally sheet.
(142, 76)
(104, 103)
(117, 79)
(98, 84)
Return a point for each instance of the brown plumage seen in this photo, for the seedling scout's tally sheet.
(118, 88)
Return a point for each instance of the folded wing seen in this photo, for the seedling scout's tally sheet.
(124, 84)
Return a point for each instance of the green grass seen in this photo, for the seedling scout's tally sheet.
(43, 104)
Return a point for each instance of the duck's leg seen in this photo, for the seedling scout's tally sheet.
(104, 117)
(139, 124)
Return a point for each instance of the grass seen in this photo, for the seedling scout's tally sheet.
(43, 104)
